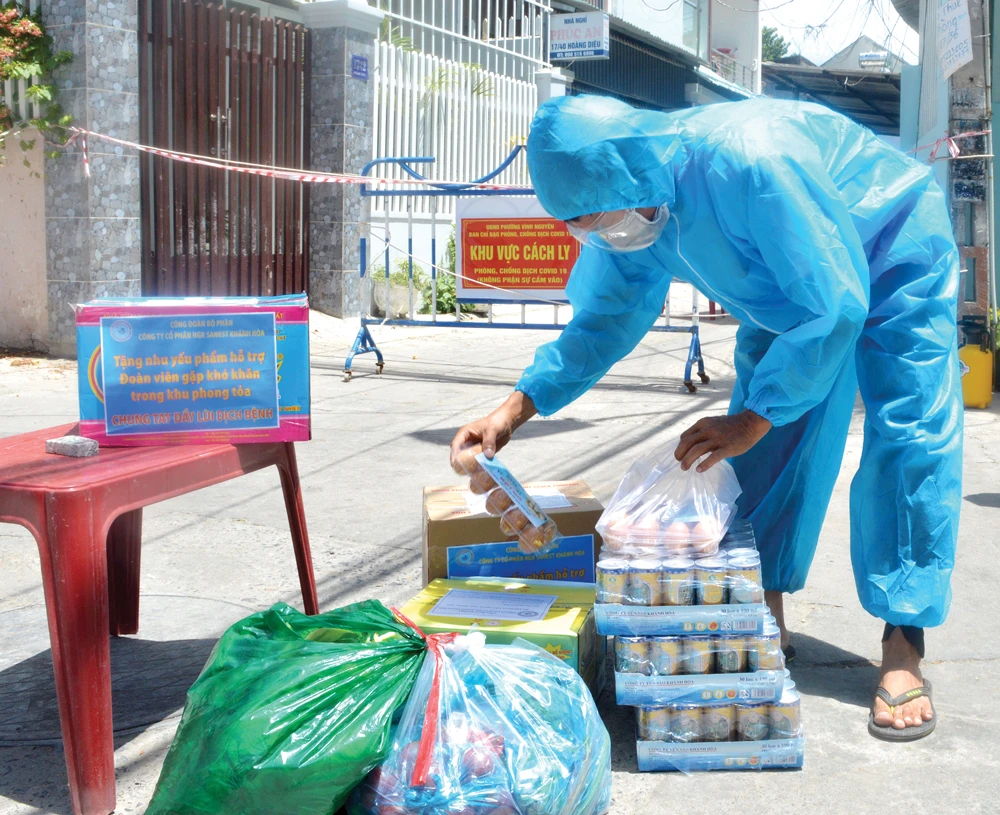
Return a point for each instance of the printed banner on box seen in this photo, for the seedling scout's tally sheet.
(570, 558)
(513, 244)
(746, 755)
(153, 383)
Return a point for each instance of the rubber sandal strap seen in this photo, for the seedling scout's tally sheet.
(895, 701)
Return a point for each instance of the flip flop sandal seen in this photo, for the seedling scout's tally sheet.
(789, 653)
(890, 733)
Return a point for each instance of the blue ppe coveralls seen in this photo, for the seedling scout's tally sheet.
(835, 252)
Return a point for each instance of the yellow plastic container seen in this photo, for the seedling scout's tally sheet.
(977, 384)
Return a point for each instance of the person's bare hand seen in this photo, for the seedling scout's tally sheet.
(720, 436)
(495, 430)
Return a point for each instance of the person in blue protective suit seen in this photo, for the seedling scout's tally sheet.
(835, 252)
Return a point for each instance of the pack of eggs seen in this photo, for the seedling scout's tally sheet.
(520, 516)
(622, 532)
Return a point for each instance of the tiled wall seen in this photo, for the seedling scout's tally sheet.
(92, 225)
(341, 139)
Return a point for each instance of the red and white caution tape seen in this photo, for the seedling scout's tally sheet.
(270, 171)
(953, 149)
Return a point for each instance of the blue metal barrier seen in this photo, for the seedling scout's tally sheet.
(365, 343)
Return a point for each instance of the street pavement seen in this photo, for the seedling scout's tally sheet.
(211, 558)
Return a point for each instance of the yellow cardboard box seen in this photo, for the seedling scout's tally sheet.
(556, 616)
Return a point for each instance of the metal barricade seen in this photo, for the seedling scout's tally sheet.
(365, 343)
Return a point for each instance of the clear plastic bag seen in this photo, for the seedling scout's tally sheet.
(493, 730)
(520, 515)
(658, 507)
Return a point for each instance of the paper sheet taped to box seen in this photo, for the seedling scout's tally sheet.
(486, 605)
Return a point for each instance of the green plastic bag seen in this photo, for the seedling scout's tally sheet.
(290, 712)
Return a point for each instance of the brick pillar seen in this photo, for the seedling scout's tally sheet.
(92, 224)
(343, 105)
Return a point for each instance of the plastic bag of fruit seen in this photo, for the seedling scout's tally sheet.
(658, 506)
(493, 730)
(290, 712)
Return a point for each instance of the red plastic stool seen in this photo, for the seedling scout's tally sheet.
(86, 515)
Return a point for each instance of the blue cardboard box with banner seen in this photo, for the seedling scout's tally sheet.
(194, 370)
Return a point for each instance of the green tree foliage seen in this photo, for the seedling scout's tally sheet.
(773, 45)
(26, 53)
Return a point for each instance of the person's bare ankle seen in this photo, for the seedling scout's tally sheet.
(899, 654)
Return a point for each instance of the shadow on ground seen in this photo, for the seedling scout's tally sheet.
(823, 669)
(985, 499)
(149, 681)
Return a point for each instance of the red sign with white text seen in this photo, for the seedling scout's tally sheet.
(520, 253)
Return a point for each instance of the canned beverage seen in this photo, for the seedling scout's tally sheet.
(730, 655)
(718, 723)
(632, 655)
(766, 652)
(752, 722)
(698, 656)
(710, 574)
(677, 581)
(643, 582)
(612, 579)
(743, 553)
(666, 654)
(685, 723)
(744, 582)
(785, 716)
(654, 724)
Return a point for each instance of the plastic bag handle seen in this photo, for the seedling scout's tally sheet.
(428, 733)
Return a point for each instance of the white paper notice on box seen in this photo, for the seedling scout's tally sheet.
(487, 605)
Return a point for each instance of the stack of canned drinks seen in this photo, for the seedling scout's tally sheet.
(698, 654)
(744, 721)
(649, 578)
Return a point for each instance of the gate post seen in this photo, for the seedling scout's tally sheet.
(92, 224)
(553, 82)
(342, 104)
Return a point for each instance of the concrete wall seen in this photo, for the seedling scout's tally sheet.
(740, 32)
(23, 308)
(663, 20)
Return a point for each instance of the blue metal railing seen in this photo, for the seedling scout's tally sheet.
(365, 343)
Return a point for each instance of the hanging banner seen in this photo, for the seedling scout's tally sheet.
(513, 244)
(579, 36)
(954, 40)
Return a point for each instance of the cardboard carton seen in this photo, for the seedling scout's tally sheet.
(462, 540)
(555, 616)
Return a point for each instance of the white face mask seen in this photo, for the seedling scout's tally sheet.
(622, 233)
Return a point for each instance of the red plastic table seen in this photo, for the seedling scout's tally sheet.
(86, 515)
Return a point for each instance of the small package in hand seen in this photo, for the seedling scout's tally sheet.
(520, 515)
